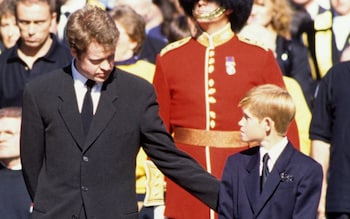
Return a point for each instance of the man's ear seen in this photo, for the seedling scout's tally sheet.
(74, 53)
(228, 11)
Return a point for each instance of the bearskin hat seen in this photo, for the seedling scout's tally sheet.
(240, 10)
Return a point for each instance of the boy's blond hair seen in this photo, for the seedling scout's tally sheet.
(270, 101)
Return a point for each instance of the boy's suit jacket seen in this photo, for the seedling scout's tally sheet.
(63, 170)
(292, 189)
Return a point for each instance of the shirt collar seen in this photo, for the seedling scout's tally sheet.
(81, 79)
(48, 56)
(78, 78)
(129, 61)
(274, 152)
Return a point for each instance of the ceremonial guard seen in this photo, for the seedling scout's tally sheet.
(199, 81)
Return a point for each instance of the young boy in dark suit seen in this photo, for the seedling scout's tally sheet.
(272, 180)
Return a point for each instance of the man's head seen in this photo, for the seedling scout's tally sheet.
(237, 11)
(34, 19)
(266, 108)
(9, 31)
(10, 125)
(92, 37)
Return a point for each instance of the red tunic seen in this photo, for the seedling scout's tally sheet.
(199, 83)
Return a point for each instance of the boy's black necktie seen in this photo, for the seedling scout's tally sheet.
(265, 170)
(87, 109)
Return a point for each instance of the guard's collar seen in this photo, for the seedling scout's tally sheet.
(217, 38)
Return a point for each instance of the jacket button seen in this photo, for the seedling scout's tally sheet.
(85, 189)
(85, 158)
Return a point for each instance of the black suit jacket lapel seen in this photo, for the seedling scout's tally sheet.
(251, 182)
(68, 107)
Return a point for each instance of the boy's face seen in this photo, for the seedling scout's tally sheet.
(9, 138)
(251, 128)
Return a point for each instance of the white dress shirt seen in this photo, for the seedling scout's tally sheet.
(341, 29)
(274, 153)
(80, 89)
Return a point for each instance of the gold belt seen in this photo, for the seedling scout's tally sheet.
(200, 137)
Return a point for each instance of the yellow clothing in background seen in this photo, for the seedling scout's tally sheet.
(144, 70)
(302, 115)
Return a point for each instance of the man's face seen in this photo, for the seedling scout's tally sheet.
(204, 12)
(9, 138)
(34, 22)
(96, 63)
(9, 30)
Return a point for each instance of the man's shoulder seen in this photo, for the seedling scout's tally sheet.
(59, 49)
(246, 153)
(343, 67)
(49, 79)
(244, 41)
(175, 45)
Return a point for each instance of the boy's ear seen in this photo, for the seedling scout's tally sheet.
(269, 123)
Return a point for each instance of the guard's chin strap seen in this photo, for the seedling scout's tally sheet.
(210, 15)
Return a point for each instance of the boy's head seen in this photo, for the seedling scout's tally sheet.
(269, 107)
(10, 125)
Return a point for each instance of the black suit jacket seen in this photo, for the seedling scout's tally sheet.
(292, 189)
(63, 170)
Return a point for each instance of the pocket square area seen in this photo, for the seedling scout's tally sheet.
(286, 177)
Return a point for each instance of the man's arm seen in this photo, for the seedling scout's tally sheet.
(320, 152)
(174, 163)
(32, 142)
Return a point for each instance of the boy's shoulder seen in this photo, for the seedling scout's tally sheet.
(244, 154)
(304, 160)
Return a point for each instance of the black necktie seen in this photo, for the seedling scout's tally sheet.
(265, 170)
(87, 109)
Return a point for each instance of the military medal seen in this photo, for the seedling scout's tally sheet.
(230, 65)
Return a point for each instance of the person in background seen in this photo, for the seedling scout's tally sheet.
(83, 125)
(272, 180)
(132, 34)
(275, 16)
(64, 9)
(305, 12)
(151, 13)
(15, 202)
(153, 17)
(329, 134)
(36, 52)
(199, 81)
(328, 38)
(9, 32)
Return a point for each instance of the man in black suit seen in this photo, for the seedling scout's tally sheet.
(88, 171)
